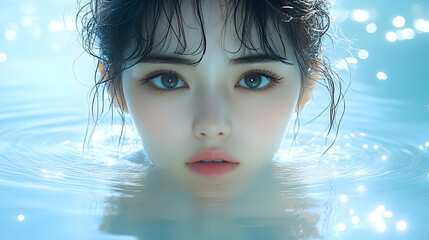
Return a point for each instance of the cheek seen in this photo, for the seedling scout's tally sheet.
(158, 123)
(158, 119)
(273, 118)
(267, 125)
(264, 122)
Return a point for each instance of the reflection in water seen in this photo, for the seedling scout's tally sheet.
(270, 204)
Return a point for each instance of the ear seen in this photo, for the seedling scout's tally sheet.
(306, 92)
(114, 90)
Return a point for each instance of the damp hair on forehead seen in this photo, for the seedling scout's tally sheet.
(186, 35)
(117, 32)
(252, 31)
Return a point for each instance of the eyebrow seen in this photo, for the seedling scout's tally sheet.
(249, 59)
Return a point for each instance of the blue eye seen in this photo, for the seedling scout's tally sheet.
(167, 81)
(259, 80)
(254, 81)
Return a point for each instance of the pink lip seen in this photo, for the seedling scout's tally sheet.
(215, 168)
(211, 155)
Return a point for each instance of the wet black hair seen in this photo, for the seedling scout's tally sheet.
(109, 27)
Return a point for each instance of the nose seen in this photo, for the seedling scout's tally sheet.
(212, 120)
(211, 133)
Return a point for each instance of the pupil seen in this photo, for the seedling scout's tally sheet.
(169, 80)
(253, 80)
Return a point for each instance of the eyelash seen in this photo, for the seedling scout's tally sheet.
(274, 80)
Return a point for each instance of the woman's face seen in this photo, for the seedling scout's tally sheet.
(229, 102)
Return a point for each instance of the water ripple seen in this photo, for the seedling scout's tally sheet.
(44, 150)
(359, 161)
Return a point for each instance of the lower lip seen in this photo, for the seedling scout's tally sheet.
(212, 168)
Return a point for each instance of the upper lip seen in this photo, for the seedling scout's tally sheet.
(211, 155)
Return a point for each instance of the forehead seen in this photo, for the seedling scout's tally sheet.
(189, 29)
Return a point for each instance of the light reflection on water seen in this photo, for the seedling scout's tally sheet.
(373, 183)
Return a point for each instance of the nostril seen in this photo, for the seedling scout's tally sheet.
(220, 134)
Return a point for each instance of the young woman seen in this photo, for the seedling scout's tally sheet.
(210, 85)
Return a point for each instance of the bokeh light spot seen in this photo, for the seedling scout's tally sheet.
(363, 54)
(408, 33)
(381, 209)
(398, 21)
(391, 37)
(401, 225)
(381, 76)
(380, 226)
(341, 227)
(3, 57)
(421, 25)
(10, 35)
(371, 28)
(360, 15)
